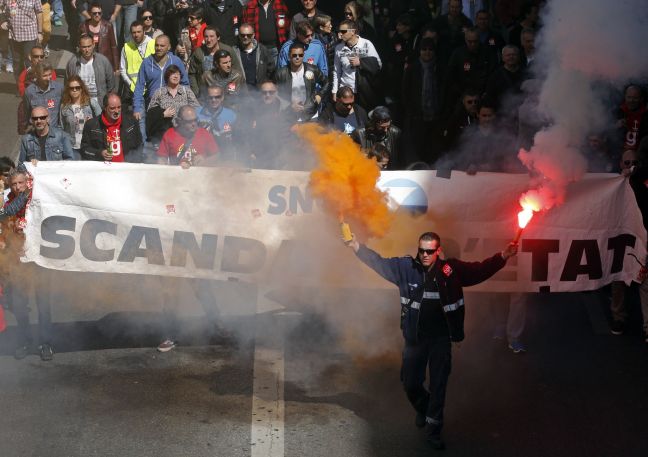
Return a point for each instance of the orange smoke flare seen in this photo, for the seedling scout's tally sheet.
(346, 181)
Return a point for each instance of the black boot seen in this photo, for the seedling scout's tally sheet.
(433, 436)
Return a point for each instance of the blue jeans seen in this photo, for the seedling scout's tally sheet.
(57, 7)
(126, 17)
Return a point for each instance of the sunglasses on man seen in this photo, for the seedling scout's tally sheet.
(422, 251)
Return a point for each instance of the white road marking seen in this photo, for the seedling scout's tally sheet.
(267, 437)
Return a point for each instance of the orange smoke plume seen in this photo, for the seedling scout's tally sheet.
(346, 181)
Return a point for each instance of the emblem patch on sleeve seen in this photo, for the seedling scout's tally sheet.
(447, 270)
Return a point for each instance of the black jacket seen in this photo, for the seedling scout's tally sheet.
(227, 22)
(451, 276)
(369, 92)
(94, 139)
(326, 116)
(366, 139)
(265, 65)
(313, 76)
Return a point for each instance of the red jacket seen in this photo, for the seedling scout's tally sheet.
(282, 19)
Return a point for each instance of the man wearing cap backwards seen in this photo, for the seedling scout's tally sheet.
(432, 315)
(381, 130)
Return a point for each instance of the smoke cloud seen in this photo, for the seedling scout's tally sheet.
(583, 46)
(346, 181)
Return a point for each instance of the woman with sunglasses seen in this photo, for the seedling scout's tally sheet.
(76, 108)
(148, 20)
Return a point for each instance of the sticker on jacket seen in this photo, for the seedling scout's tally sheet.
(447, 270)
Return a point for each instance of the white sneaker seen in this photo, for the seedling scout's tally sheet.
(166, 345)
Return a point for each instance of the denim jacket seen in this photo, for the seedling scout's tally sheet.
(57, 146)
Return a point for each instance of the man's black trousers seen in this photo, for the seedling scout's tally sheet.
(433, 353)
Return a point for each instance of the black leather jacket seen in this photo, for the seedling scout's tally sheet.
(94, 139)
(313, 77)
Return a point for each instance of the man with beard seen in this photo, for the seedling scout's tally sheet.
(114, 136)
(345, 114)
(432, 317)
(380, 130)
(202, 59)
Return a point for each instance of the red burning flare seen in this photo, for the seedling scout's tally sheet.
(530, 204)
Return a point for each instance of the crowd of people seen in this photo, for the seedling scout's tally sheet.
(417, 84)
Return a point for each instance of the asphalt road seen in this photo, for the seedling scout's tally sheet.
(109, 393)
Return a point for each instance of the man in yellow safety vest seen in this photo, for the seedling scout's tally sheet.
(133, 53)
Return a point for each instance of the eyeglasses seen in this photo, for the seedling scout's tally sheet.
(268, 92)
(345, 30)
(147, 18)
(96, 13)
(427, 251)
(39, 118)
(247, 35)
(294, 56)
(215, 97)
(38, 56)
(74, 88)
(627, 163)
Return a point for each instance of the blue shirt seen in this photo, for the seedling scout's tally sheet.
(314, 54)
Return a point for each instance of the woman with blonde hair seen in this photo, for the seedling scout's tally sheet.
(76, 108)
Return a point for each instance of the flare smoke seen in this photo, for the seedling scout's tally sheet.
(583, 43)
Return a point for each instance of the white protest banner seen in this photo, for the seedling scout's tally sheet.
(262, 225)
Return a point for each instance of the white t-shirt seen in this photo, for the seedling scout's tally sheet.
(86, 73)
(344, 73)
(298, 86)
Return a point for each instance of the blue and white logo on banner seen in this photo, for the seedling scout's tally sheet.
(406, 194)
